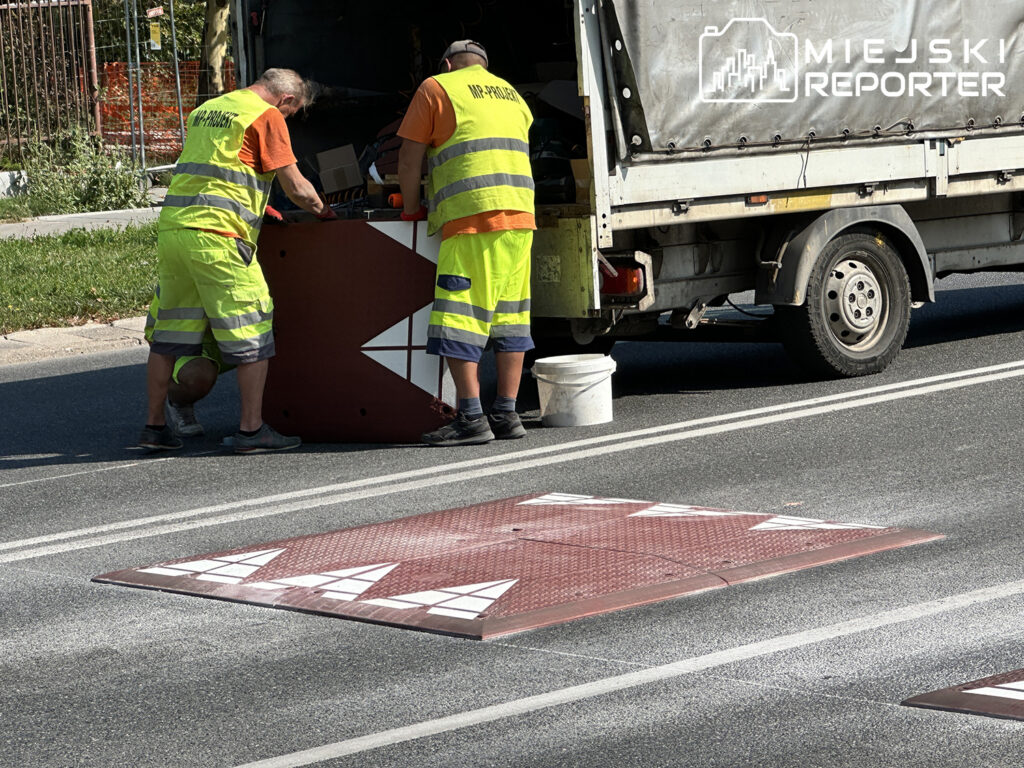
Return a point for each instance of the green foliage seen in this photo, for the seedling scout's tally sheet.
(74, 173)
(58, 280)
(14, 208)
(189, 18)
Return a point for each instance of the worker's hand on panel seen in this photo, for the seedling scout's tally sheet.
(327, 214)
(418, 215)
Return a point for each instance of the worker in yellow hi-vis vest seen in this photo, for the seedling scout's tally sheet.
(473, 128)
(209, 278)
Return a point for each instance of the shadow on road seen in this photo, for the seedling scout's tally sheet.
(968, 313)
(667, 367)
(95, 416)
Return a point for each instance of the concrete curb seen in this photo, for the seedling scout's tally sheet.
(55, 225)
(49, 343)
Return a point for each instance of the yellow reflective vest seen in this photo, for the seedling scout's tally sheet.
(211, 188)
(485, 165)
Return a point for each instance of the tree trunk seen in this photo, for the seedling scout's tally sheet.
(215, 48)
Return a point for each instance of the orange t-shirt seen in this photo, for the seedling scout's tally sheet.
(266, 146)
(430, 120)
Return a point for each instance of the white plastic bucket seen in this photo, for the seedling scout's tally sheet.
(574, 390)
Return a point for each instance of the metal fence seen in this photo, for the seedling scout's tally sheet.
(149, 74)
(48, 75)
(162, 94)
(121, 69)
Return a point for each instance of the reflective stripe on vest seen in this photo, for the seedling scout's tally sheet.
(224, 174)
(485, 164)
(211, 188)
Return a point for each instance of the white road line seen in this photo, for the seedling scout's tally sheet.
(86, 472)
(640, 677)
(251, 509)
(503, 457)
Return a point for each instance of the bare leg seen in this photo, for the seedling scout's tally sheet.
(195, 380)
(252, 377)
(510, 372)
(158, 376)
(465, 376)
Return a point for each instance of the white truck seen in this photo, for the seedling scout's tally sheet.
(834, 158)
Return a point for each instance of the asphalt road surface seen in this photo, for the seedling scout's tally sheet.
(804, 669)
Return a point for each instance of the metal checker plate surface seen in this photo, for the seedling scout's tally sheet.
(997, 696)
(514, 564)
(710, 544)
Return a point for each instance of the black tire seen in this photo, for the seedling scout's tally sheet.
(857, 311)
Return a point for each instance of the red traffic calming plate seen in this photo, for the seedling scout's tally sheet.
(514, 564)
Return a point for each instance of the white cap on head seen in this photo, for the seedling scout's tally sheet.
(465, 46)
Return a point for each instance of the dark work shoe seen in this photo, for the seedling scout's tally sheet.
(506, 425)
(266, 439)
(182, 419)
(162, 439)
(461, 431)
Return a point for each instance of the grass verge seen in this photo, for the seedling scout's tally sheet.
(14, 208)
(69, 279)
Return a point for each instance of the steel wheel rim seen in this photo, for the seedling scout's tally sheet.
(856, 302)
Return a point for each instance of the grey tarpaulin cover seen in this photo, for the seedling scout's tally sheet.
(719, 70)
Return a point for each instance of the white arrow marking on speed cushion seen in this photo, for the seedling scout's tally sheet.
(685, 510)
(560, 499)
(228, 569)
(785, 523)
(1004, 691)
(402, 233)
(465, 602)
(392, 350)
(345, 584)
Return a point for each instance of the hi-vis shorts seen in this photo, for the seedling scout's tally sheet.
(482, 294)
(210, 281)
(210, 351)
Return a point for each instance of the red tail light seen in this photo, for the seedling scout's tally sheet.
(628, 282)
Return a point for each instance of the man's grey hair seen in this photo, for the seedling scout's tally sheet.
(281, 82)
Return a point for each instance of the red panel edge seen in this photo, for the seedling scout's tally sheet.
(904, 537)
(593, 606)
(469, 630)
(952, 700)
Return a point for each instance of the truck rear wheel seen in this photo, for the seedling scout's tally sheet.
(857, 311)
